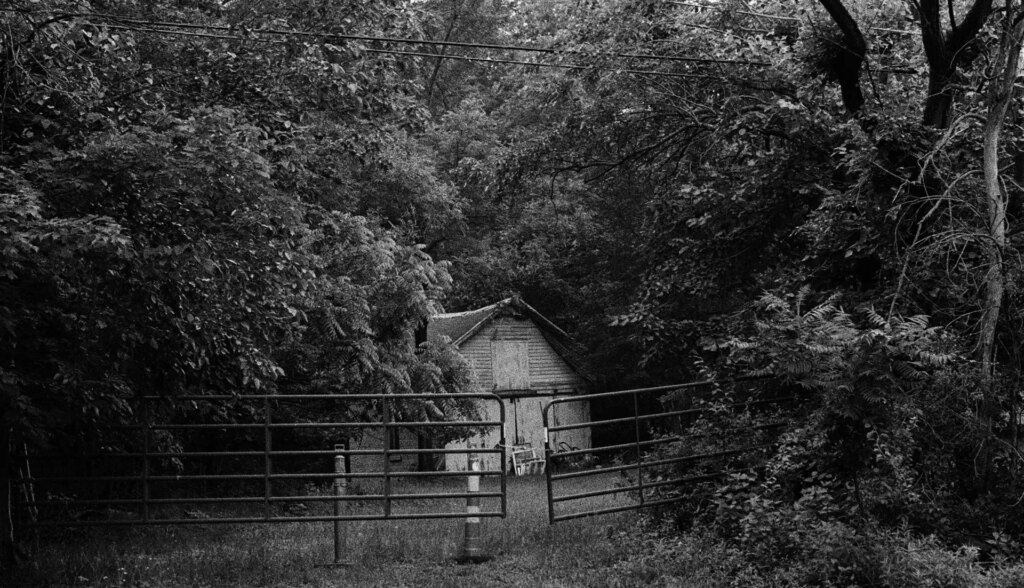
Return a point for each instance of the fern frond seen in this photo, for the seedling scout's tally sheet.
(773, 302)
(833, 299)
(906, 370)
(823, 349)
(935, 359)
(874, 319)
(328, 327)
(801, 297)
(737, 344)
(919, 320)
(820, 313)
(796, 367)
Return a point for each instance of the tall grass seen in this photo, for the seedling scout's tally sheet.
(526, 550)
(603, 552)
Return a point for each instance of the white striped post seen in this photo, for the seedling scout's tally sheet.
(472, 551)
(340, 508)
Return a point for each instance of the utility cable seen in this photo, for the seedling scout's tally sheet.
(166, 27)
(786, 18)
(398, 40)
(430, 55)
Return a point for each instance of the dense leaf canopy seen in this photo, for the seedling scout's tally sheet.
(234, 197)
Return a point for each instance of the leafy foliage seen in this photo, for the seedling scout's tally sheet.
(205, 214)
(878, 437)
(232, 207)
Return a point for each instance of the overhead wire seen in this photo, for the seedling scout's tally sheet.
(785, 18)
(403, 40)
(433, 55)
(247, 34)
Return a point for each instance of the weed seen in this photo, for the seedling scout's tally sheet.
(527, 550)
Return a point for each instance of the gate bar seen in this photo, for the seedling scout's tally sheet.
(338, 397)
(145, 460)
(387, 458)
(141, 501)
(266, 457)
(660, 502)
(660, 440)
(639, 453)
(638, 444)
(284, 452)
(658, 415)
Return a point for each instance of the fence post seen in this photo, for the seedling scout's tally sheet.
(472, 552)
(147, 423)
(340, 506)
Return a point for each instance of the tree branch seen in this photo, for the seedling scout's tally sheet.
(944, 53)
(854, 49)
(963, 34)
(931, 31)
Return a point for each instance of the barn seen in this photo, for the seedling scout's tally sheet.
(525, 359)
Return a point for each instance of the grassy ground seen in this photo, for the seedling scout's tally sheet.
(526, 552)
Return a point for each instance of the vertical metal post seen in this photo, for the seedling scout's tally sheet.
(501, 459)
(472, 552)
(639, 453)
(548, 464)
(266, 458)
(340, 507)
(145, 459)
(348, 456)
(387, 459)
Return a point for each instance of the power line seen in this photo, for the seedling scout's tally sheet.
(427, 55)
(167, 27)
(402, 40)
(462, 44)
(786, 18)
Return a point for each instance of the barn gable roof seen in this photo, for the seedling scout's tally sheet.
(460, 326)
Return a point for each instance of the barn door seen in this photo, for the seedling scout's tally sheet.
(510, 364)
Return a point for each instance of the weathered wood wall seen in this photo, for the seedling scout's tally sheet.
(547, 371)
(523, 415)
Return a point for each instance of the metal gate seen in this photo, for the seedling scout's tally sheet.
(264, 459)
(672, 436)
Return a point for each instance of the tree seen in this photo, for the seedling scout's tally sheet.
(191, 209)
(999, 96)
(854, 48)
(723, 177)
(946, 50)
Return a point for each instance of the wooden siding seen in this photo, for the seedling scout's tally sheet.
(546, 375)
(523, 416)
(547, 370)
(510, 364)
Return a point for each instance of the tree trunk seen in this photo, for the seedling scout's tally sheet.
(1000, 96)
(8, 551)
(1018, 168)
(938, 106)
(854, 49)
(944, 52)
(456, 11)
